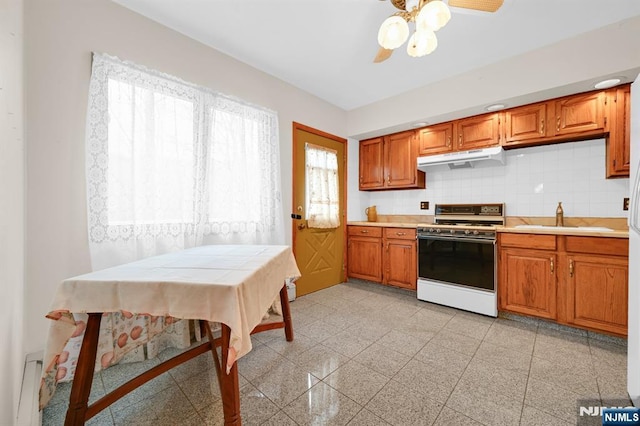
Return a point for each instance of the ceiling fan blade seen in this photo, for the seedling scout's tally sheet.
(382, 55)
(482, 5)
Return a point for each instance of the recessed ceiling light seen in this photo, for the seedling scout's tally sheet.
(495, 107)
(419, 124)
(605, 84)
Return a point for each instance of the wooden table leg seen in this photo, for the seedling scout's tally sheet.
(229, 385)
(81, 387)
(286, 313)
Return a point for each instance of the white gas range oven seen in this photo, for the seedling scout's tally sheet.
(457, 257)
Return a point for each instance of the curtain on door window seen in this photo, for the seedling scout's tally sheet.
(323, 201)
(172, 165)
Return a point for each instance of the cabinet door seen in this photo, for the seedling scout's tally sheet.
(527, 282)
(371, 164)
(400, 153)
(400, 258)
(619, 141)
(597, 292)
(525, 123)
(435, 139)
(478, 132)
(579, 113)
(364, 258)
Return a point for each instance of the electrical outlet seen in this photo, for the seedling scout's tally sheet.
(424, 205)
(625, 203)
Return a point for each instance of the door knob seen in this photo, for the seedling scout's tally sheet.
(301, 226)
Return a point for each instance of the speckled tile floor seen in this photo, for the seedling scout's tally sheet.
(366, 354)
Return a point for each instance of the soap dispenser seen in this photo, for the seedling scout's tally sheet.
(559, 215)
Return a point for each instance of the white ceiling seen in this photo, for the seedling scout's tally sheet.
(326, 47)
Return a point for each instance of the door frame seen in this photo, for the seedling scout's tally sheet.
(294, 230)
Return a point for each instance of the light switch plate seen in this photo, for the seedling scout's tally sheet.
(424, 205)
(625, 203)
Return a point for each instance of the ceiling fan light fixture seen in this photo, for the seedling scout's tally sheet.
(393, 32)
(433, 16)
(421, 43)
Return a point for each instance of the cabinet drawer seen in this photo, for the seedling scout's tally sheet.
(365, 231)
(400, 233)
(529, 241)
(598, 245)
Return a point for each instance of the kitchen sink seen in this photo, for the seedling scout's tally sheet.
(569, 228)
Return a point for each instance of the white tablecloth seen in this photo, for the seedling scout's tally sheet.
(231, 284)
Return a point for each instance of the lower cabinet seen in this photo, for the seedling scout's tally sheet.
(579, 281)
(364, 252)
(383, 255)
(400, 258)
(528, 282)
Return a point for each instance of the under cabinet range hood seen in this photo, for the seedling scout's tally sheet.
(462, 159)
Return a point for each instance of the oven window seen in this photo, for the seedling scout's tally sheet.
(466, 263)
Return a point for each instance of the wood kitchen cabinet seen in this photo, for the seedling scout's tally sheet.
(578, 114)
(389, 162)
(400, 257)
(371, 164)
(435, 139)
(528, 274)
(619, 139)
(573, 280)
(480, 131)
(525, 123)
(597, 283)
(364, 252)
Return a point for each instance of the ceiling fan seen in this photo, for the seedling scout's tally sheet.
(429, 16)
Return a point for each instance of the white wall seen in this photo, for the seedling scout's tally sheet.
(11, 209)
(59, 38)
(531, 183)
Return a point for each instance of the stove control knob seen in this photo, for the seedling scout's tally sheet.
(451, 231)
(431, 230)
(438, 231)
(467, 231)
(476, 232)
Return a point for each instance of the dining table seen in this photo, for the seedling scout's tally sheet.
(233, 286)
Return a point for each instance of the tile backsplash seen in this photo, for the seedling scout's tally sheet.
(530, 183)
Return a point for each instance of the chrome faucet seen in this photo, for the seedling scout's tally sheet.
(559, 215)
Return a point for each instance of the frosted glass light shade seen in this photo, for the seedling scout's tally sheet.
(393, 32)
(433, 16)
(421, 43)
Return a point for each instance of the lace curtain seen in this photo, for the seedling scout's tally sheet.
(172, 165)
(323, 201)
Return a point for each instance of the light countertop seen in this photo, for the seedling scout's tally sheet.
(548, 230)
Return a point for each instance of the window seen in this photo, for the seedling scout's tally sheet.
(172, 165)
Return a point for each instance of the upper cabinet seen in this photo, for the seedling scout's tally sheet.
(569, 118)
(371, 163)
(478, 132)
(525, 123)
(435, 139)
(389, 162)
(579, 113)
(619, 140)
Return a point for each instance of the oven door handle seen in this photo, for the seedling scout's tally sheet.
(459, 239)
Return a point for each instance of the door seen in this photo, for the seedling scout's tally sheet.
(320, 252)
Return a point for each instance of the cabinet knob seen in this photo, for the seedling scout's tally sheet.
(364, 231)
(558, 124)
(401, 233)
(542, 126)
(552, 265)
